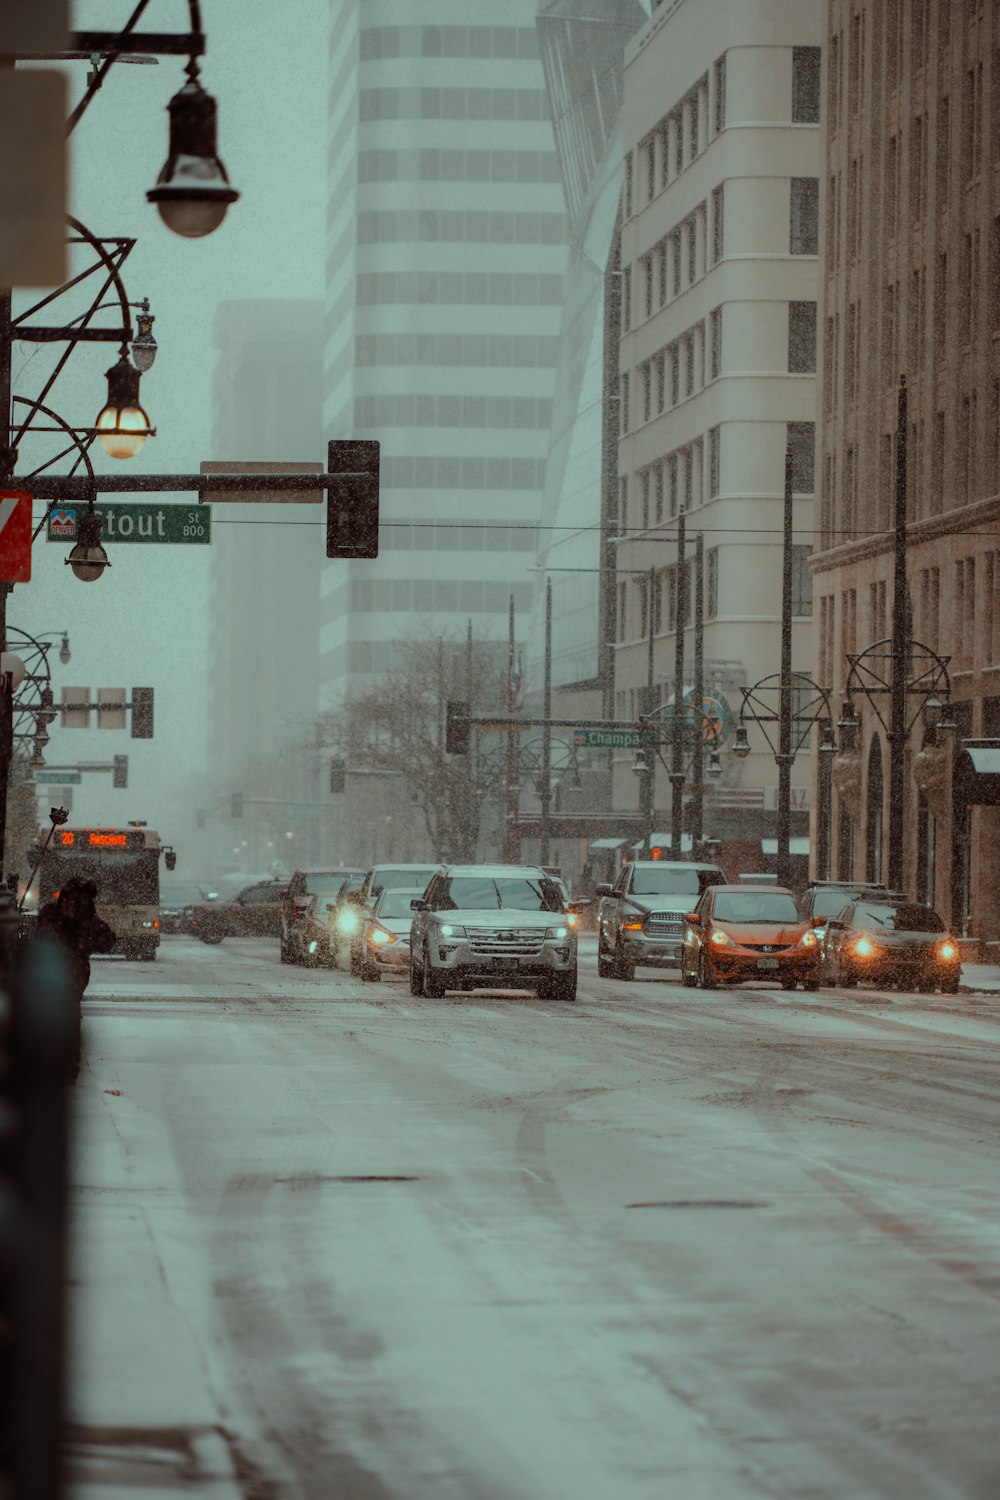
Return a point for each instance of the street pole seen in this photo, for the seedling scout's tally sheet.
(784, 756)
(647, 782)
(510, 841)
(898, 673)
(677, 722)
(471, 814)
(545, 790)
(7, 462)
(823, 813)
(698, 768)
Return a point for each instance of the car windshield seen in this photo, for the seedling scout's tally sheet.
(830, 903)
(672, 882)
(904, 918)
(180, 895)
(416, 880)
(324, 882)
(500, 892)
(755, 906)
(395, 904)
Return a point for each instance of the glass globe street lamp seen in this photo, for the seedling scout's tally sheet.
(122, 425)
(88, 558)
(192, 192)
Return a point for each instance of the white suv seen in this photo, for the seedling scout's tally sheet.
(492, 926)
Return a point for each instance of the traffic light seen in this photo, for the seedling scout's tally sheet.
(119, 774)
(142, 713)
(236, 805)
(456, 727)
(170, 858)
(338, 772)
(352, 503)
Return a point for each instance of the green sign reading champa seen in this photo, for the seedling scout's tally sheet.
(136, 521)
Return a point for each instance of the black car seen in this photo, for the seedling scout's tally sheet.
(824, 899)
(177, 903)
(897, 944)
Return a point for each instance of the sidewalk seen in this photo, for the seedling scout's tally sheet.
(980, 979)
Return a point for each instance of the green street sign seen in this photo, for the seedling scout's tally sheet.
(58, 778)
(612, 739)
(135, 521)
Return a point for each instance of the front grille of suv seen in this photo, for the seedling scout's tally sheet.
(505, 942)
(664, 924)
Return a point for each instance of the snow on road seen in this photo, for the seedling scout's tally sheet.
(333, 1240)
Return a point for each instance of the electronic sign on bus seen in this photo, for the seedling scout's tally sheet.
(99, 838)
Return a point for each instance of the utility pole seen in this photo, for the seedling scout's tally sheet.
(647, 782)
(677, 721)
(545, 790)
(785, 756)
(698, 767)
(898, 671)
(511, 850)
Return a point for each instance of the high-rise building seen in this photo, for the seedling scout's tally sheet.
(446, 247)
(911, 287)
(266, 561)
(718, 361)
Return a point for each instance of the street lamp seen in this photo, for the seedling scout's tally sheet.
(122, 425)
(192, 192)
(88, 558)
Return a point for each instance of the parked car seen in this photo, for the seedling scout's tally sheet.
(640, 919)
(305, 919)
(738, 933)
(376, 880)
(892, 943)
(385, 933)
(492, 926)
(178, 901)
(253, 912)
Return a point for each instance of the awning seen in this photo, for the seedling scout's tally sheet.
(795, 846)
(977, 773)
(606, 843)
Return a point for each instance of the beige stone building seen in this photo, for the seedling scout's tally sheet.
(910, 286)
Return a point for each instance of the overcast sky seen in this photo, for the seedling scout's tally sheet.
(145, 622)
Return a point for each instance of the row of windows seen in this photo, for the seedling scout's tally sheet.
(431, 536)
(458, 288)
(677, 481)
(493, 350)
(680, 259)
(657, 592)
(452, 104)
(470, 596)
(423, 410)
(448, 41)
(474, 227)
(442, 471)
(672, 375)
(447, 165)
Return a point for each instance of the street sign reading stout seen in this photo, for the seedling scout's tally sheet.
(135, 521)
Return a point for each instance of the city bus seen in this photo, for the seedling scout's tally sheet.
(124, 864)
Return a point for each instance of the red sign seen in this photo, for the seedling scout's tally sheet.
(15, 536)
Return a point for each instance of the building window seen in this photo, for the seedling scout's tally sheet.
(718, 226)
(688, 477)
(622, 612)
(647, 272)
(628, 186)
(661, 383)
(675, 249)
(661, 258)
(713, 462)
(689, 365)
(804, 218)
(802, 338)
(650, 169)
(712, 583)
(658, 494)
(715, 343)
(675, 375)
(647, 392)
(719, 80)
(691, 234)
(672, 471)
(805, 85)
(624, 401)
(801, 437)
(623, 505)
(679, 142)
(627, 299)
(802, 594)
(644, 491)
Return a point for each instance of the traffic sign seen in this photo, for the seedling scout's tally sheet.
(135, 521)
(58, 778)
(15, 536)
(613, 739)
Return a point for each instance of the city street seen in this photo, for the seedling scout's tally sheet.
(335, 1242)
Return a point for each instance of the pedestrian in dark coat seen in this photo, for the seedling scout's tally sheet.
(71, 921)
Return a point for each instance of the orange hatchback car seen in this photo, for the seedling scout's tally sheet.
(740, 932)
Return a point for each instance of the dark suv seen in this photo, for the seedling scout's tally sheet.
(641, 916)
(824, 899)
(305, 921)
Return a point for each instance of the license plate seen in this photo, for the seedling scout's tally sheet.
(767, 963)
(505, 963)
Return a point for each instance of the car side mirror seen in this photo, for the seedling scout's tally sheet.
(821, 922)
(418, 904)
(604, 889)
(578, 906)
(693, 919)
(302, 902)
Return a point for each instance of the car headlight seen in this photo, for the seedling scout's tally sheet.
(559, 934)
(722, 939)
(347, 921)
(947, 950)
(632, 926)
(863, 947)
(448, 931)
(808, 939)
(820, 933)
(380, 935)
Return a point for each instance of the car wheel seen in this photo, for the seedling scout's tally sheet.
(790, 984)
(210, 937)
(370, 974)
(355, 960)
(846, 981)
(705, 980)
(624, 968)
(416, 978)
(950, 987)
(810, 984)
(688, 977)
(433, 984)
(558, 987)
